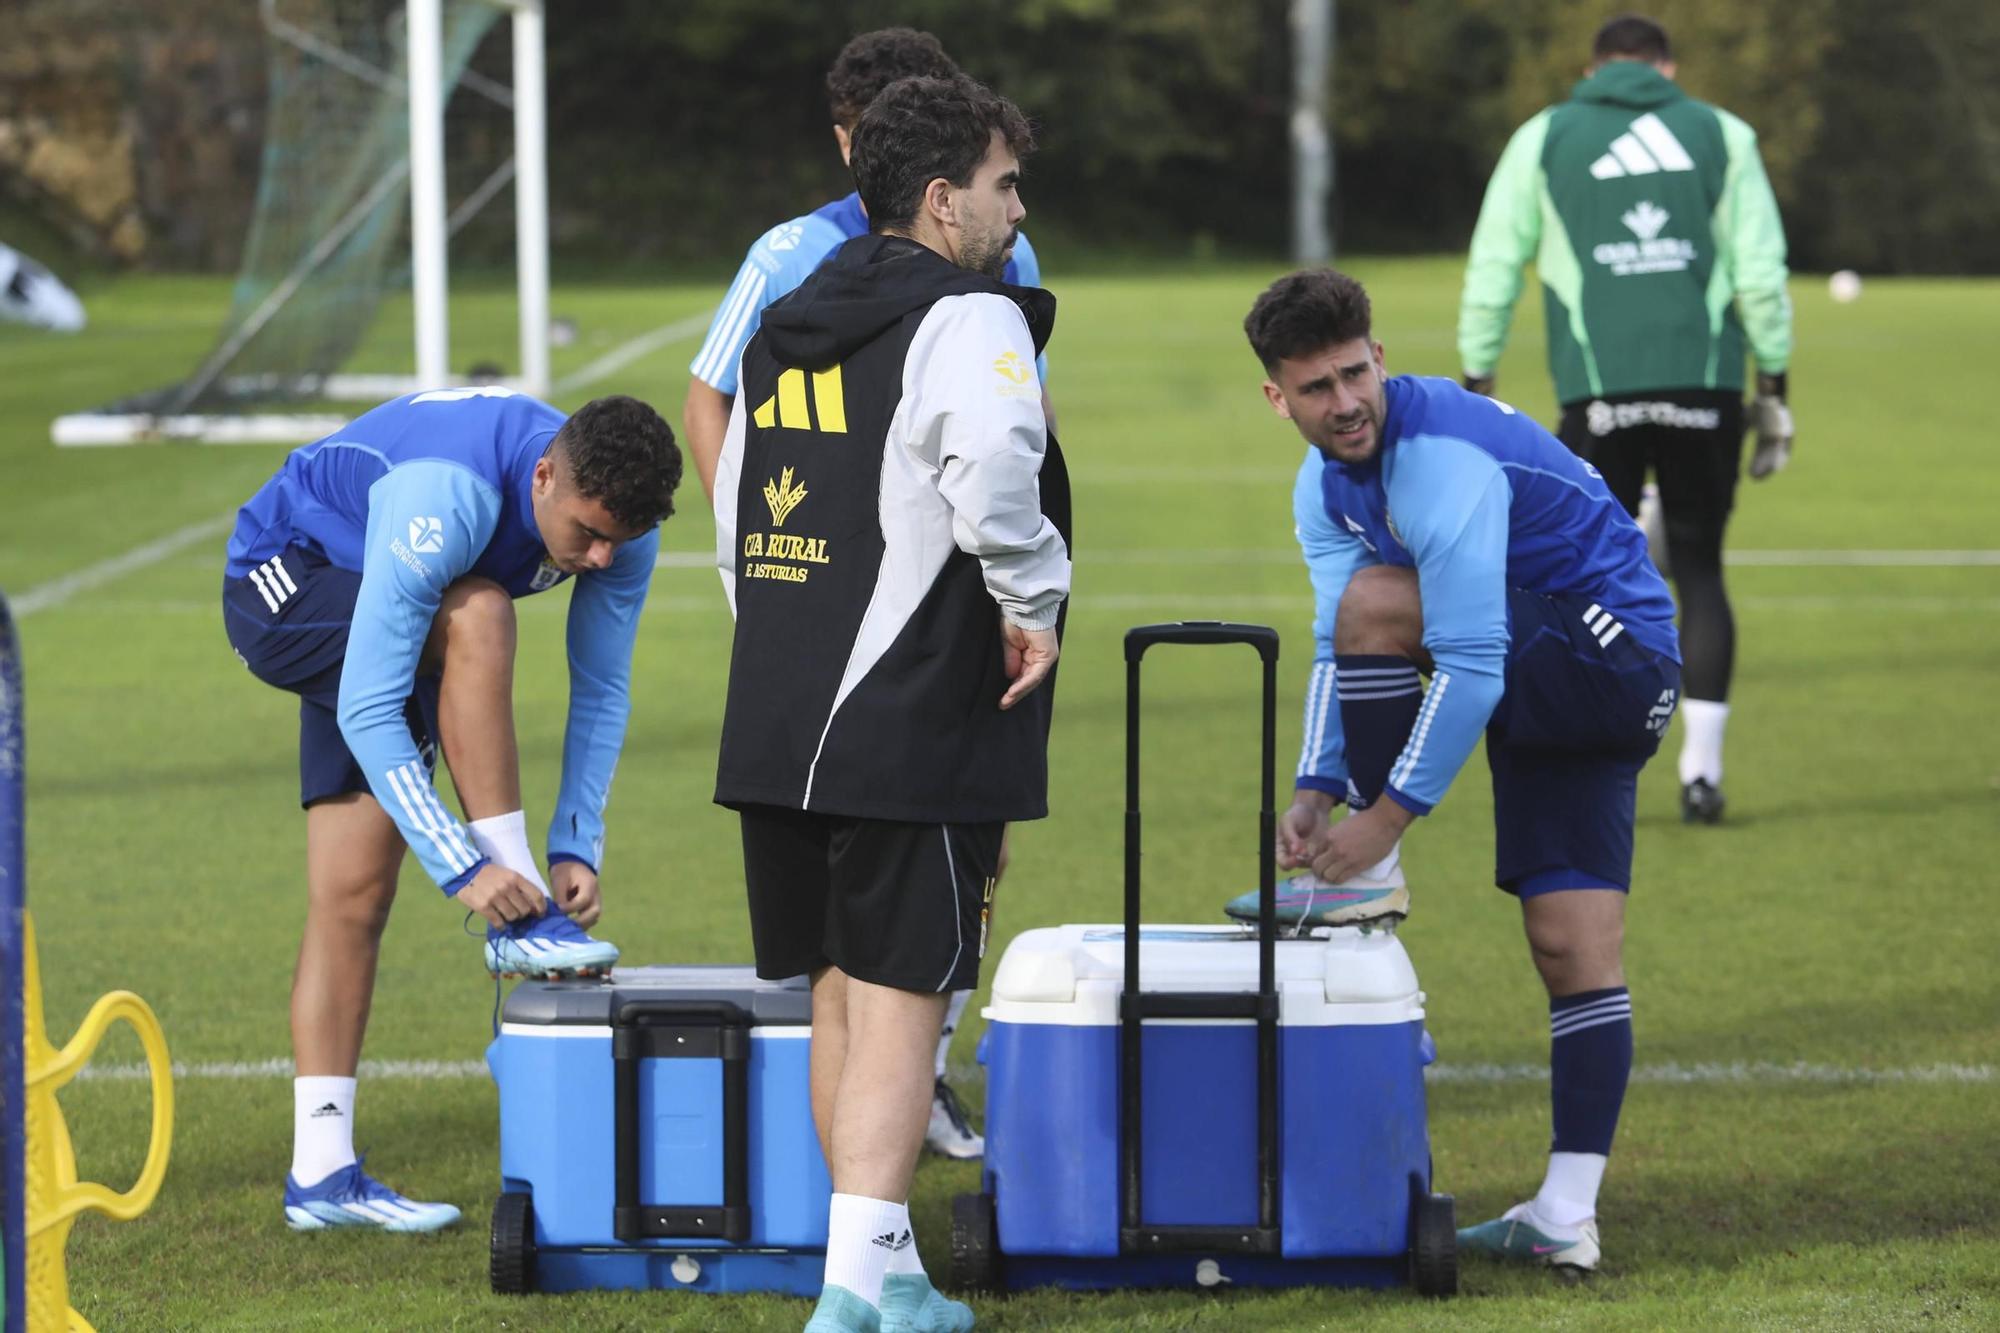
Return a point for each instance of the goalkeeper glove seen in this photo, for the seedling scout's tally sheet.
(1479, 384)
(1772, 421)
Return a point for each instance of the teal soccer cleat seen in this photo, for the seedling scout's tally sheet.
(547, 946)
(841, 1311)
(910, 1304)
(1305, 900)
(350, 1197)
(1519, 1236)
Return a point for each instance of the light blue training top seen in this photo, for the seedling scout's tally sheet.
(412, 495)
(786, 256)
(1476, 498)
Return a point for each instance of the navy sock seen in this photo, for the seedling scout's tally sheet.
(1379, 699)
(1590, 1061)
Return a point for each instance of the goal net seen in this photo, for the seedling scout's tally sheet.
(383, 139)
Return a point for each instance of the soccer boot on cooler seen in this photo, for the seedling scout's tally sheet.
(910, 1304)
(1305, 900)
(547, 946)
(950, 1133)
(1519, 1235)
(841, 1311)
(1701, 802)
(350, 1197)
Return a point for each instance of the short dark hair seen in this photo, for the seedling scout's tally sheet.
(1303, 312)
(622, 455)
(874, 60)
(1631, 37)
(920, 129)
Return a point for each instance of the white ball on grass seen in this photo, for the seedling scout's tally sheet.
(1844, 286)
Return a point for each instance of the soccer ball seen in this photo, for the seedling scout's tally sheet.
(1844, 286)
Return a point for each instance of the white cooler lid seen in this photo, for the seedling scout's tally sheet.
(1073, 975)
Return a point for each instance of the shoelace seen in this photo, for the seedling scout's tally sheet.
(499, 987)
(954, 1110)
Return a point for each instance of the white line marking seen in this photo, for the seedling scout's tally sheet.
(1861, 559)
(57, 591)
(625, 354)
(1740, 1072)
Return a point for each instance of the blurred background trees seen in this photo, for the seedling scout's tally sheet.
(131, 131)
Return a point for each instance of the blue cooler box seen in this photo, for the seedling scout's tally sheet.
(656, 1131)
(1353, 1150)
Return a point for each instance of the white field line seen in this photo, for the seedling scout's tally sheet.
(1759, 1073)
(626, 353)
(1287, 555)
(57, 591)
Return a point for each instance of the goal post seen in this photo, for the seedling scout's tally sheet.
(356, 123)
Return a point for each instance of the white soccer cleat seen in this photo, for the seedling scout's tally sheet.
(950, 1134)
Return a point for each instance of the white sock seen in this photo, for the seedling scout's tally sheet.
(503, 839)
(1387, 865)
(903, 1260)
(1702, 724)
(322, 1127)
(953, 1011)
(861, 1234)
(1568, 1197)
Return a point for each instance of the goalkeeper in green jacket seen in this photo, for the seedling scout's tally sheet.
(1662, 261)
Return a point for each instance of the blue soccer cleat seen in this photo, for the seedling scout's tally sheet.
(350, 1197)
(1305, 900)
(546, 947)
(910, 1304)
(1520, 1236)
(841, 1311)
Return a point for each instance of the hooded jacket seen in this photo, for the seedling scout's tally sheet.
(1655, 234)
(887, 491)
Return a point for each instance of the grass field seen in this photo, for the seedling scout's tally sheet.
(1812, 1139)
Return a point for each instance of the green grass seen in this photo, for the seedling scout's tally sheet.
(1839, 920)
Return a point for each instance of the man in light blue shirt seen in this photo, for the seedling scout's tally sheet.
(1448, 535)
(374, 576)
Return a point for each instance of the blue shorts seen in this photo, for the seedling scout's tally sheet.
(288, 619)
(1579, 719)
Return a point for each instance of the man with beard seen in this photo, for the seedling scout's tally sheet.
(779, 261)
(890, 516)
(1448, 535)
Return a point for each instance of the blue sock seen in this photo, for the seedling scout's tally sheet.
(1590, 1061)
(1379, 699)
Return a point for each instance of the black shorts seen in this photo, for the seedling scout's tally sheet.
(288, 620)
(902, 905)
(1691, 440)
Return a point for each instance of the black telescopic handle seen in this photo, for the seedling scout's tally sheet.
(1261, 637)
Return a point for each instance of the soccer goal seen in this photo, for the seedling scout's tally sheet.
(361, 190)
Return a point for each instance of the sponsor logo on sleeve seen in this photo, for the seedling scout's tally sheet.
(426, 538)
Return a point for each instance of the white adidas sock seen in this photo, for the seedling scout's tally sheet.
(1568, 1197)
(1702, 725)
(953, 1011)
(322, 1127)
(503, 839)
(903, 1260)
(861, 1234)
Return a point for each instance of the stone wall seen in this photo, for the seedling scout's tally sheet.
(134, 127)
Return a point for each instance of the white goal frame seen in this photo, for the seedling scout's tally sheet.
(430, 229)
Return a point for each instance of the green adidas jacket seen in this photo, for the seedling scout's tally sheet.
(1654, 230)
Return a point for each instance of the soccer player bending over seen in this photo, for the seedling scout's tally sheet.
(374, 576)
(1447, 535)
(889, 513)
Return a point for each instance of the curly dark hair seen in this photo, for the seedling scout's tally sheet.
(622, 455)
(918, 130)
(1305, 311)
(874, 60)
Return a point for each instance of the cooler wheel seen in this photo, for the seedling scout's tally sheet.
(1434, 1245)
(975, 1249)
(511, 1264)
